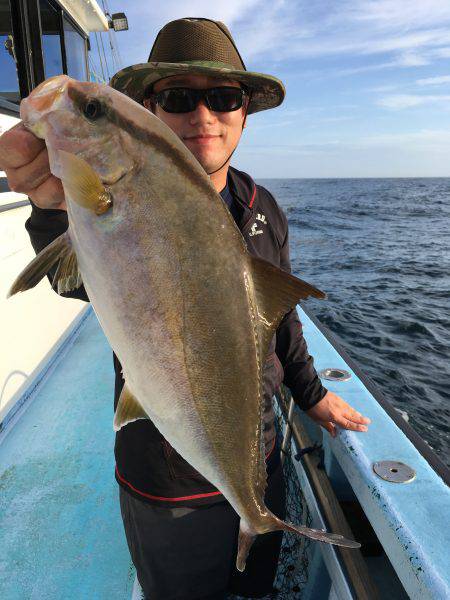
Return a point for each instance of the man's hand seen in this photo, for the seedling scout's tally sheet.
(24, 158)
(332, 410)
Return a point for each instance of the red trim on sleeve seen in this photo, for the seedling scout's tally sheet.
(253, 195)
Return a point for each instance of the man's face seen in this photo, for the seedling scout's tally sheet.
(224, 127)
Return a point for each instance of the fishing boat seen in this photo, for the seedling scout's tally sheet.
(62, 535)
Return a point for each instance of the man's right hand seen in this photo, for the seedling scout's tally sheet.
(24, 158)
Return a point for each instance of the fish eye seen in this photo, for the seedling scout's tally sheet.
(93, 109)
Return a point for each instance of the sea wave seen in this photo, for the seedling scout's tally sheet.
(380, 249)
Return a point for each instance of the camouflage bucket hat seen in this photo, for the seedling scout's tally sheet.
(199, 46)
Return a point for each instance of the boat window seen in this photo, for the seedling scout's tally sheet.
(51, 38)
(76, 52)
(99, 59)
(9, 84)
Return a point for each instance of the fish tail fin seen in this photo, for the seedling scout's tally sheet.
(272, 523)
(315, 534)
(67, 276)
(245, 540)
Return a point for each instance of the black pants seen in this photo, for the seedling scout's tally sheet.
(189, 553)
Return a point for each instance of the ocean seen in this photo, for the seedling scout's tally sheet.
(380, 249)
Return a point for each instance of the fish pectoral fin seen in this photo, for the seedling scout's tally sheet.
(128, 409)
(276, 293)
(82, 184)
(67, 276)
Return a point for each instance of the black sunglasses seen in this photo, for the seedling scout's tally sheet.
(183, 100)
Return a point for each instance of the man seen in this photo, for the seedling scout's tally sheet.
(181, 532)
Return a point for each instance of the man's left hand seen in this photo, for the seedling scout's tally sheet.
(332, 410)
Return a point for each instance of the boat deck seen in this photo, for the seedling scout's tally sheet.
(62, 535)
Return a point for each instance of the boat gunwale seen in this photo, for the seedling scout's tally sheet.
(439, 467)
(22, 398)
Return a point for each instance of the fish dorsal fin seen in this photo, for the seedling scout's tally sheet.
(128, 409)
(60, 252)
(276, 293)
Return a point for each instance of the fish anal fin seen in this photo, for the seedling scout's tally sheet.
(67, 276)
(276, 293)
(128, 409)
(246, 538)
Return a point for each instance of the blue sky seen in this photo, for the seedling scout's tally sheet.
(368, 81)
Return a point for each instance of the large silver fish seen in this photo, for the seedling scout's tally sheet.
(188, 311)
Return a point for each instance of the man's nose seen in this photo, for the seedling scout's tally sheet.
(201, 113)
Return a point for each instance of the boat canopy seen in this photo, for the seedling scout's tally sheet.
(87, 14)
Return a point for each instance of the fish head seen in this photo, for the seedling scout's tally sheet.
(75, 117)
(81, 119)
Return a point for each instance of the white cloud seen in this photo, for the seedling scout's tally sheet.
(433, 139)
(366, 27)
(393, 14)
(411, 59)
(147, 18)
(400, 101)
(408, 32)
(160, 13)
(434, 80)
(382, 89)
(409, 99)
(391, 64)
(441, 52)
(271, 125)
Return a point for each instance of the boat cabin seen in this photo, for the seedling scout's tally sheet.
(42, 38)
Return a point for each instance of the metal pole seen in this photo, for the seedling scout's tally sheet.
(288, 433)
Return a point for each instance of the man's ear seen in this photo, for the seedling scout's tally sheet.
(244, 124)
(149, 105)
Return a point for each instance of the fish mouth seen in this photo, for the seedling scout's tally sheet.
(47, 97)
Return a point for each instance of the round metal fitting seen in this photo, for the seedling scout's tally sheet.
(394, 471)
(334, 374)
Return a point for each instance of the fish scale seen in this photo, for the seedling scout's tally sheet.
(187, 310)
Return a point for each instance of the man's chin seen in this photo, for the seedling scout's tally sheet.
(207, 157)
(209, 165)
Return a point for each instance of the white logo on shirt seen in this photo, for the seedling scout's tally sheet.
(254, 230)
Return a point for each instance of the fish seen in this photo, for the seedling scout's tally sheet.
(187, 309)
